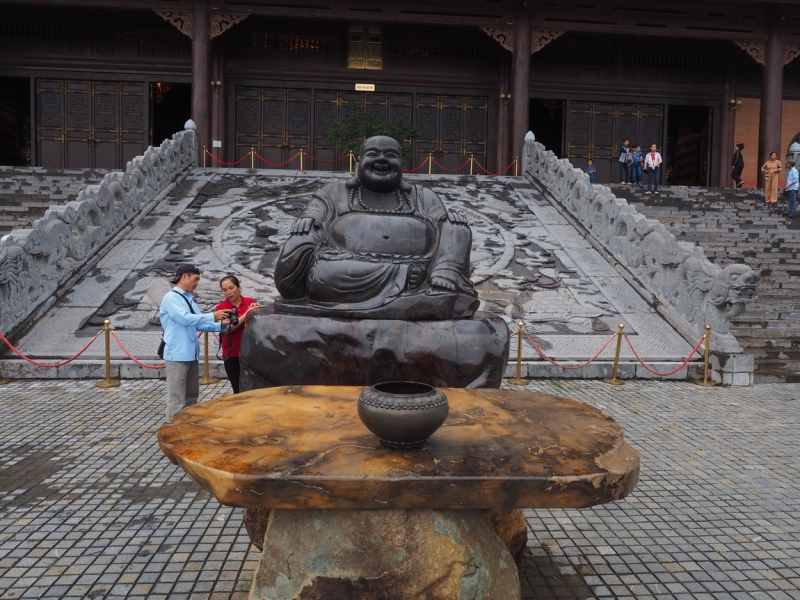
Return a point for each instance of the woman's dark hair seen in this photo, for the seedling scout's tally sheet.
(233, 278)
(740, 146)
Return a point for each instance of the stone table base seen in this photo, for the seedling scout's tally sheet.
(384, 555)
(508, 524)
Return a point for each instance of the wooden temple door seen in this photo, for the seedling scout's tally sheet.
(89, 124)
(596, 129)
(451, 129)
(276, 123)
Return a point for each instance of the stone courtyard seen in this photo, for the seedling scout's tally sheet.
(90, 508)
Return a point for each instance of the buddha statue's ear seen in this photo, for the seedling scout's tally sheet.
(353, 183)
(405, 186)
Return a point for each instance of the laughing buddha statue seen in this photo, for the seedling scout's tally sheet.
(376, 247)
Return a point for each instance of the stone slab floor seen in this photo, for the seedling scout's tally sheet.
(89, 508)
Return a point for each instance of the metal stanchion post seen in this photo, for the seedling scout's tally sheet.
(204, 156)
(205, 380)
(252, 158)
(350, 153)
(430, 162)
(301, 159)
(516, 166)
(471, 162)
(519, 380)
(108, 383)
(614, 380)
(707, 353)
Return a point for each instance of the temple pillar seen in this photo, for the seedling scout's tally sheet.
(201, 74)
(503, 118)
(769, 125)
(727, 129)
(520, 79)
(218, 122)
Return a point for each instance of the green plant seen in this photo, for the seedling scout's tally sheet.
(348, 132)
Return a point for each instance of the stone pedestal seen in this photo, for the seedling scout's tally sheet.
(384, 555)
(282, 349)
(509, 525)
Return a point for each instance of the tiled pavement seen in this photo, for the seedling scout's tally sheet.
(89, 508)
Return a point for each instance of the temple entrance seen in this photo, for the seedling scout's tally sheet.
(15, 121)
(89, 124)
(170, 107)
(687, 156)
(546, 121)
(596, 129)
(278, 122)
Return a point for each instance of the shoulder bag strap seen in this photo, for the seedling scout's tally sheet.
(187, 302)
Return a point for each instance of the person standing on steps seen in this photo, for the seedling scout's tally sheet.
(772, 172)
(636, 165)
(590, 170)
(792, 184)
(652, 164)
(625, 159)
(737, 164)
(181, 319)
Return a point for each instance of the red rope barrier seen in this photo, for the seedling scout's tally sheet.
(466, 162)
(503, 172)
(271, 164)
(569, 368)
(133, 358)
(422, 164)
(227, 164)
(326, 162)
(683, 364)
(48, 365)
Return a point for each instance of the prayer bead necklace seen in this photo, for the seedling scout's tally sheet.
(402, 200)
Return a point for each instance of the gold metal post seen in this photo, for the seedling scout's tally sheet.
(471, 162)
(707, 338)
(108, 383)
(351, 160)
(204, 157)
(516, 166)
(252, 158)
(205, 380)
(301, 159)
(614, 380)
(519, 380)
(430, 162)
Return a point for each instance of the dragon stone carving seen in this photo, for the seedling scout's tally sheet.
(36, 263)
(678, 274)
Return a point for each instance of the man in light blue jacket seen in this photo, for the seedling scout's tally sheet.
(181, 319)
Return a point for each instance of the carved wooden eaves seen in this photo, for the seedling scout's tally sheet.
(505, 37)
(220, 23)
(757, 51)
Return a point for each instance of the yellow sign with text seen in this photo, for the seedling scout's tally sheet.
(365, 87)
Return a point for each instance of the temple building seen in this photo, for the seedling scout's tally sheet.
(92, 83)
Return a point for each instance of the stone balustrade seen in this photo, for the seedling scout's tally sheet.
(38, 265)
(688, 289)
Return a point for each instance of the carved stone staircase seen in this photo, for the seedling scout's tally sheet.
(26, 193)
(736, 226)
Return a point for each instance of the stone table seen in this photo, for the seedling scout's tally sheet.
(352, 519)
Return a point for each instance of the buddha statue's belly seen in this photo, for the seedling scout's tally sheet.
(403, 235)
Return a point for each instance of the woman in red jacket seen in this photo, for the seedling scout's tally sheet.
(232, 338)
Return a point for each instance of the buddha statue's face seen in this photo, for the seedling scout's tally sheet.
(380, 166)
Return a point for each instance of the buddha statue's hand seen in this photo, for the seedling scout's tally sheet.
(303, 226)
(457, 218)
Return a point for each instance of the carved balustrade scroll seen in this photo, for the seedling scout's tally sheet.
(182, 21)
(757, 51)
(37, 264)
(691, 291)
(505, 37)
